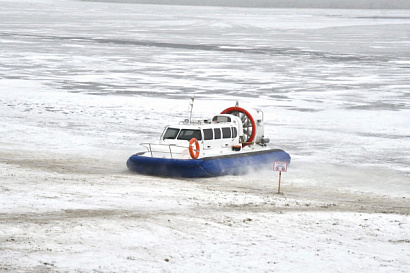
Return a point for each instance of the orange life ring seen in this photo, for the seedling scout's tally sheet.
(194, 153)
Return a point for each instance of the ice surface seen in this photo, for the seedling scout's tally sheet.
(82, 84)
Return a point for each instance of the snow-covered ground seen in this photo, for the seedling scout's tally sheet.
(82, 84)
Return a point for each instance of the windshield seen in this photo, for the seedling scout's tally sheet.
(171, 133)
(187, 134)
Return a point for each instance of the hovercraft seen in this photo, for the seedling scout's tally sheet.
(231, 143)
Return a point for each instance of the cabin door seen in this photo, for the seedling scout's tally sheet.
(209, 142)
(226, 137)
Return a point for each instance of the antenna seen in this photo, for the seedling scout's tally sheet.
(191, 104)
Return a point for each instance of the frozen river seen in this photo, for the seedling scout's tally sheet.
(83, 83)
(334, 84)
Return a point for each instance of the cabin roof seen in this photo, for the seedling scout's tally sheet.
(201, 125)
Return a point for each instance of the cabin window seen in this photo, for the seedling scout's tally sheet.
(218, 119)
(226, 132)
(171, 133)
(208, 134)
(217, 132)
(234, 132)
(188, 134)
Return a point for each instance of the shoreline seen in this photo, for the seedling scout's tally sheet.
(65, 219)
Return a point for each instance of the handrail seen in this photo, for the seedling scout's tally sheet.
(150, 149)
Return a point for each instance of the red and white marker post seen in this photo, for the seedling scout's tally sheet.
(280, 166)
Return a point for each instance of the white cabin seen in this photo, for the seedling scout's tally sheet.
(224, 134)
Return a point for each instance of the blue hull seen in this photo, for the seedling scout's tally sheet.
(235, 164)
